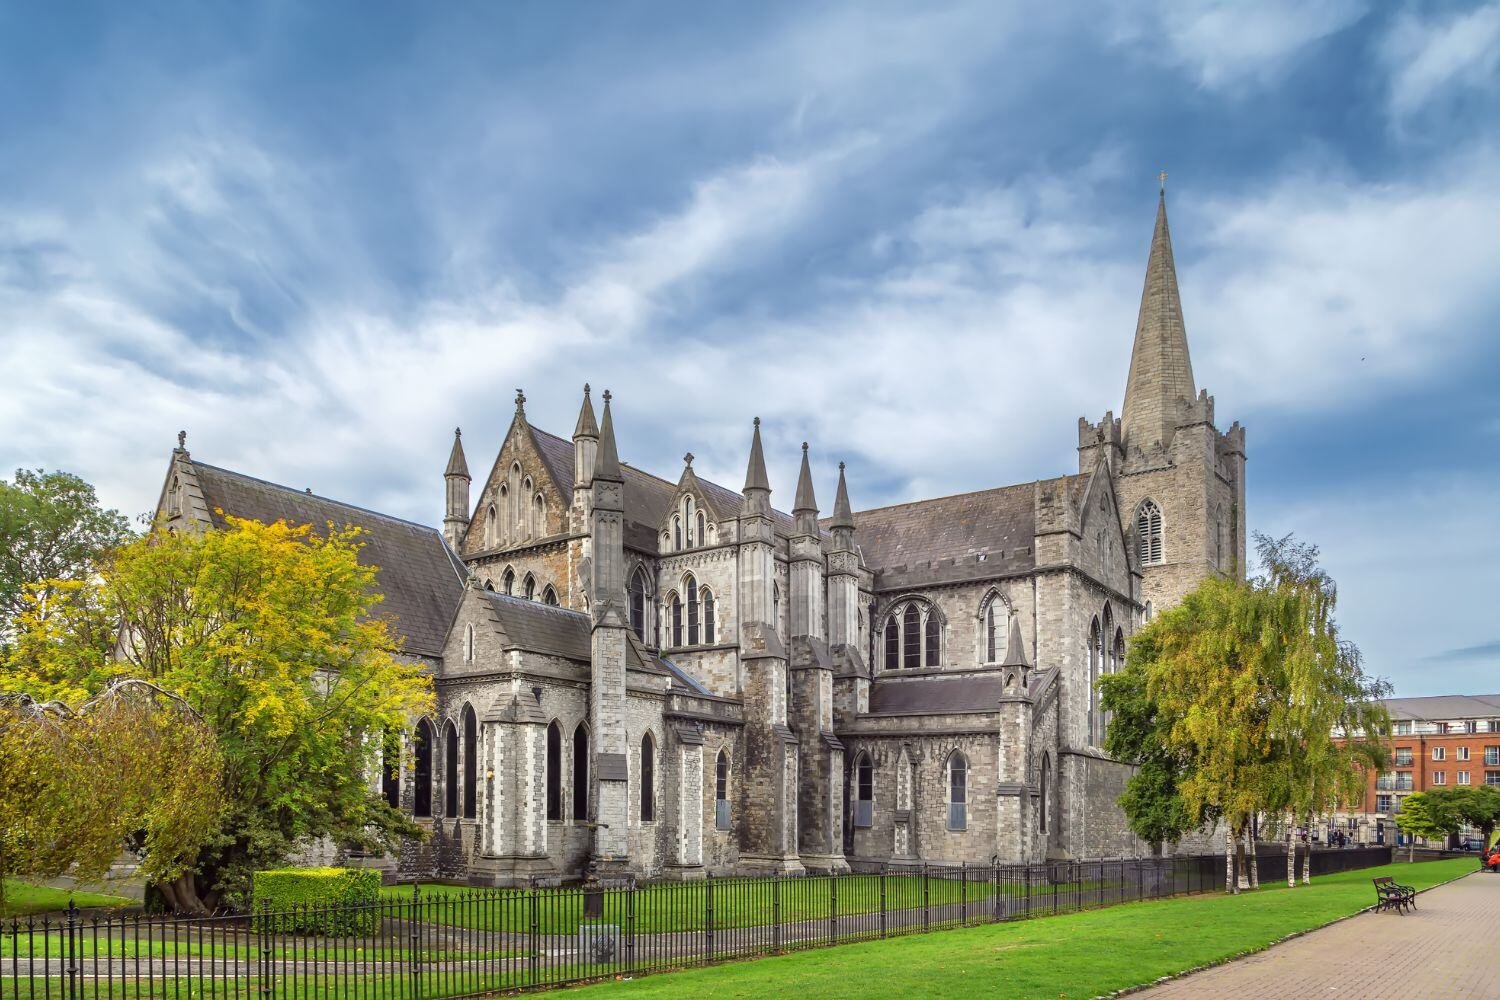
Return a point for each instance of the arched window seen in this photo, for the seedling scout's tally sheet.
(530, 587)
(702, 530)
(864, 791)
(549, 596)
(911, 637)
(581, 772)
(1107, 651)
(508, 582)
(1148, 534)
(708, 617)
(1044, 788)
(687, 518)
(958, 791)
(1148, 611)
(676, 532)
(892, 644)
(692, 611)
(450, 770)
(721, 791)
(422, 779)
(554, 771)
(991, 635)
(492, 523)
(390, 771)
(539, 515)
(523, 509)
(1094, 652)
(934, 643)
(468, 643)
(674, 614)
(648, 779)
(471, 763)
(638, 604)
(776, 607)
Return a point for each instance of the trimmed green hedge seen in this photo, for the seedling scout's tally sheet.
(332, 901)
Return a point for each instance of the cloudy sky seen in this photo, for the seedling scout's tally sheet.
(319, 236)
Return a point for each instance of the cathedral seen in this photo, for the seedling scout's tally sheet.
(670, 678)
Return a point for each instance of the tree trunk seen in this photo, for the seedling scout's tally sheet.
(1254, 857)
(1411, 850)
(1231, 881)
(1307, 855)
(1291, 854)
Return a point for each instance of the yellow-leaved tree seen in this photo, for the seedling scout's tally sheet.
(266, 631)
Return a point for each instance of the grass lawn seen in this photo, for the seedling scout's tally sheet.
(683, 906)
(1075, 955)
(23, 898)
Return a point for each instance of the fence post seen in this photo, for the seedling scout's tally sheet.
(411, 957)
(776, 914)
(833, 908)
(630, 928)
(926, 898)
(72, 951)
(996, 907)
(263, 931)
(708, 916)
(536, 938)
(882, 900)
(963, 894)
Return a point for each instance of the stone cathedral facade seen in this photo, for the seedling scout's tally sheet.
(671, 678)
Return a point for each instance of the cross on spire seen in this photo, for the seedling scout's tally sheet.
(1162, 177)
(688, 459)
(520, 400)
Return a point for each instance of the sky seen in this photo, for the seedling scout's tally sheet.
(318, 237)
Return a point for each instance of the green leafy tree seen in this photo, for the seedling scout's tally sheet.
(266, 631)
(134, 765)
(51, 529)
(1475, 805)
(1422, 815)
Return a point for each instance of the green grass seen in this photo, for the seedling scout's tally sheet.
(683, 906)
(23, 898)
(1077, 955)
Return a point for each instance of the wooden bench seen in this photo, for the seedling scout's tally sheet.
(1389, 895)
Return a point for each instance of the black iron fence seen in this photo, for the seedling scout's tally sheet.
(458, 942)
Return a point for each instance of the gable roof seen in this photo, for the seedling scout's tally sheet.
(1444, 707)
(551, 630)
(420, 578)
(999, 524)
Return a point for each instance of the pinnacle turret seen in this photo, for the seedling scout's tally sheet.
(755, 472)
(843, 516)
(457, 466)
(456, 493)
(607, 465)
(1015, 647)
(805, 501)
(1161, 372)
(586, 427)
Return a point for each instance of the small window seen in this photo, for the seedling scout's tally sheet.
(422, 780)
(468, 643)
(450, 770)
(864, 791)
(934, 630)
(702, 532)
(508, 582)
(471, 763)
(958, 792)
(390, 771)
(676, 618)
(648, 779)
(1438, 753)
(692, 611)
(530, 588)
(708, 616)
(911, 637)
(991, 638)
(892, 644)
(721, 791)
(676, 532)
(1463, 777)
(638, 604)
(581, 772)
(554, 771)
(1044, 788)
(1463, 753)
(549, 596)
(1439, 778)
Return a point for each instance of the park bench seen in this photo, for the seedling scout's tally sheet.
(1391, 896)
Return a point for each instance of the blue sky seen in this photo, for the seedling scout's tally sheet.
(319, 236)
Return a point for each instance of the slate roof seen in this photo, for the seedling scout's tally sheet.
(420, 578)
(999, 524)
(547, 629)
(1443, 707)
(937, 695)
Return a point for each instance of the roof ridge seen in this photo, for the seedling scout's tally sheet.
(529, 603)
(952, 496)
(315, 496)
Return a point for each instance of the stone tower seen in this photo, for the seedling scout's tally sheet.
(611, 854)
(1180, 482)
(456, 487)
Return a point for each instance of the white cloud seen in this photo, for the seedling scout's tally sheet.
(1226, 44)
(1427, 57)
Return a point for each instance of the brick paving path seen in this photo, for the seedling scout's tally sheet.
(1444, 948)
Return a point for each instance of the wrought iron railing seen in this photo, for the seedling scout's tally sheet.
(413, 944)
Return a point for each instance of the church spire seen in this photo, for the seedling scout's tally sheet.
(586, 426)
(457, 466)
(843, 516)
(456, 493)
(1161, 372)
(607, 465)
(805, 506)
(755, 472)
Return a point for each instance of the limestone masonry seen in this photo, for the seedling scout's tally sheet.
(643, 677)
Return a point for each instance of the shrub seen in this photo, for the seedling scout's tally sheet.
(332, 901)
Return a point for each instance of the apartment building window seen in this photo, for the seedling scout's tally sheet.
(1382, 803)
(1471, 726)
(1463, 777)
(1439, 777)
(1463, 753)
(1492, 756)
(1492, 778)
(1403, 728)
(1438, 753)
(1441, 728)
(1494, 726)
(1403, 756)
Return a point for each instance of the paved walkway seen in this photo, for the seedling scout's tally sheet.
(1444, 948)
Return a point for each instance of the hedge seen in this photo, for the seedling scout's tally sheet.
(332, 901)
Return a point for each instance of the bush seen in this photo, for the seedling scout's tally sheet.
(331, 901)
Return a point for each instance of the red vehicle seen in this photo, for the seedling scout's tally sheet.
(1492, 860)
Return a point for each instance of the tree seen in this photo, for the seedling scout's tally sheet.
(51, 529)
(134, 764)
(1152, 800)
(266, 631)
(1422, 815)
(1476, 805)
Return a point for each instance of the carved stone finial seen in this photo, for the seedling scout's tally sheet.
(1162, 177)
(757, 421)
(841, 466)
(607, 396)
(458, 432)
(181, 439)
(520, 400)
(585, 388)
(688, 459)
(804, 445)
